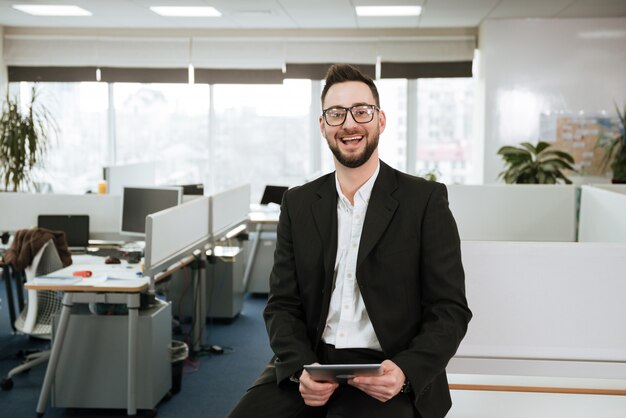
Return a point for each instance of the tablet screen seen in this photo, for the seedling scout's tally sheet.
(341, 372)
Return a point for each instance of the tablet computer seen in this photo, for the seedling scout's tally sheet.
(341, 372)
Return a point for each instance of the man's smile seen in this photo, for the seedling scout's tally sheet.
(353, 139)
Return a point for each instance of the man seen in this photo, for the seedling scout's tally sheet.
(367, 269)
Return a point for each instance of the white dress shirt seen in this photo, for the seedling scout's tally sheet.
(348, 325)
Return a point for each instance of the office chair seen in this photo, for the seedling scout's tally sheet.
(36, 317)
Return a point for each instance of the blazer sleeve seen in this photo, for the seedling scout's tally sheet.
(283, 314)
(445, 313)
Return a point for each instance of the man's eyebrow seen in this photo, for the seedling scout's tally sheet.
(353, 104)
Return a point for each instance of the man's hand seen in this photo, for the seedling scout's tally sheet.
(315, 393)
(383, 387)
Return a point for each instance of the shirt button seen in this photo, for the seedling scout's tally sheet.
(349, 275)
(346, 307)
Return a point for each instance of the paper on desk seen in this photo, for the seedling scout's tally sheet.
(55, 280)
(99, 273)
(136, 282)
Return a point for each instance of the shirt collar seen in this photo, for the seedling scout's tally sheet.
(362, 195)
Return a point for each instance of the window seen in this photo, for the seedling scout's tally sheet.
(166, 123)
(75, 159)
(226, 135)
(261, 135)
(444, 127)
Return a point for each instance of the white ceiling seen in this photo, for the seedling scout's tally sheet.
(305, 14)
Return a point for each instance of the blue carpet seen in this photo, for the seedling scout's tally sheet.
(211, 385)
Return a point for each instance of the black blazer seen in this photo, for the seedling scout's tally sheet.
(409, 273)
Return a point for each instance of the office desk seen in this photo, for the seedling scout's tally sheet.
(116, 292)
(260, 221)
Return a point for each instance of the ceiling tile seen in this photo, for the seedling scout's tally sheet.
(528, 8)
(595, 8)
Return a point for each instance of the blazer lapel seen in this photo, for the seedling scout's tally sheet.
(325, 217)
(380, 211)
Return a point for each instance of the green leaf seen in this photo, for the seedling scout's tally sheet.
(530, 164)
(24, 138)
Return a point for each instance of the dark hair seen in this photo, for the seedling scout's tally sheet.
(340, 73)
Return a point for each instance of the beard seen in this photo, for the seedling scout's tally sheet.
(354, 160)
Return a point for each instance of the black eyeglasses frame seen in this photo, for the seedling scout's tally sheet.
(349, 109)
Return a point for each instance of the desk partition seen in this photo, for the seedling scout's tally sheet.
(617, 188)
(20, 210)
(174, 233)
(514, 212)
(544, 309)
(602, 214)
(137, 175)
(229, 209)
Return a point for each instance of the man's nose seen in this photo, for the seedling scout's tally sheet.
(349, 122)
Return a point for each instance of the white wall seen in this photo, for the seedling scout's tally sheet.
(529, 66)
(3, 67)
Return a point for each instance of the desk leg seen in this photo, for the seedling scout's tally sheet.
(20, 278)
(200, 310)
(57, 346)
(133, 319)
(251, 257)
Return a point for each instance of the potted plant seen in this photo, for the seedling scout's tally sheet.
(24, 138)
(614, 145)
(529, 164)
(430, 175)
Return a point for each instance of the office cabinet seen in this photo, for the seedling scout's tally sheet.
(225, 283)
(224, 286)
(93, 365)
(262, 262)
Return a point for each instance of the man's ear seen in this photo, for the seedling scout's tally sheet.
(382, 121)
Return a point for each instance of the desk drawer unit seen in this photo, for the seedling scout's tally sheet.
(93, 366)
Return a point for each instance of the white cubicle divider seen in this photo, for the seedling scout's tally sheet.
(138, 175)
(617, 188)
(544, 309)
(514, 212)
(20, 210)
(602, 214)
(173, 233)
(229, 209)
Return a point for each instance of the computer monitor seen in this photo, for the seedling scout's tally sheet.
(76, 228)
(139, 202)
(273, 194)
(193, 189)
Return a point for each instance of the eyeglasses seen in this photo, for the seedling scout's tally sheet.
(335, 116)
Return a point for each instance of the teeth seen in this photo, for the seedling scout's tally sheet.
(354, 138)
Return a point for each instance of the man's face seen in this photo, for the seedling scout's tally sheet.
(352, 143)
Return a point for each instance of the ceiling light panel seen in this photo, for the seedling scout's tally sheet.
(387, 11)
(51, 10)
(176, 11)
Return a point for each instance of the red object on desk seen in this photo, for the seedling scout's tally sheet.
(82, 273)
